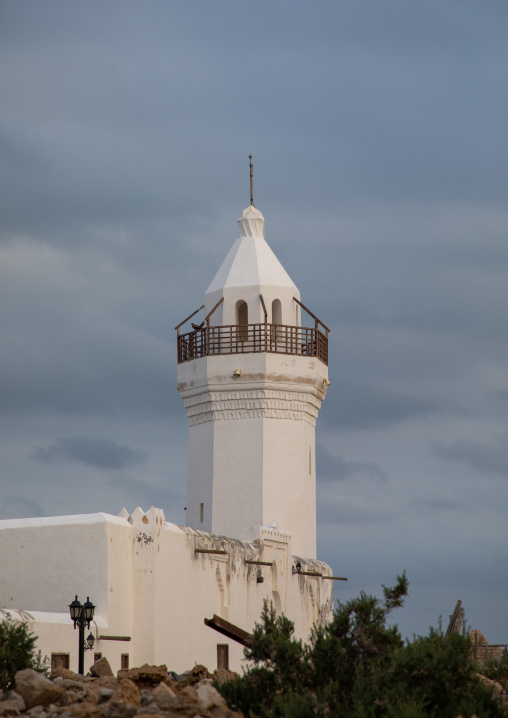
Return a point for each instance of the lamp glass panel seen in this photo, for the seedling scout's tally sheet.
(88, 610)
(75, 609)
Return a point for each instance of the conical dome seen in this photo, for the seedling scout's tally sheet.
(250, 262)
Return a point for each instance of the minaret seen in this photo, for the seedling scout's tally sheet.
(252, 380)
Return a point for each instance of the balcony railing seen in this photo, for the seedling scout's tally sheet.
(251, 339)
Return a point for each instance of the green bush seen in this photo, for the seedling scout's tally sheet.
(494, 668)
(17, 651)
(358, 667)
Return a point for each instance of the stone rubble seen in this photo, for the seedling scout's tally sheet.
(145, 692)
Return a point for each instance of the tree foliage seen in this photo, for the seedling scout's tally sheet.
(358, 667)
(17, 651)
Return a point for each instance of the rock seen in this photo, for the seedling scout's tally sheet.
(82, 710)
(70, 697)
(195, 675)
(178, 677)
(145, 676)
(493, 686)
(163, 689)
(127, 692)
(11, 704)
(69, 683)
(189, 694)
(104, 694)
(101, 668)
(164, 702)
(105, 682)
(36, 689)
(221, 675)
(209, 697)
(65, 673)
(118, 709)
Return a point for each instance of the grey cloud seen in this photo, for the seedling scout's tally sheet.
(128, 170)
(438, 503)
(500, 396)
(486, 457)
(365, 407)
(138, 491)
(13, 507)
(98, 453)
(332, 467)
(341, 510)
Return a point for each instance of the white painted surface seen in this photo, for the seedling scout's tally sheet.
(251, 464)
(150, 585)
(252, 435)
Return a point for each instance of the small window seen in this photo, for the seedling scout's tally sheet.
(201, 512)
(59, 660)
(124, 660)
(223, 656)
(97, 657)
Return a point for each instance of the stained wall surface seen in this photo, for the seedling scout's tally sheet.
(151, 586)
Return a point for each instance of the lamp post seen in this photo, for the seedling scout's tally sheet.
(82, 615)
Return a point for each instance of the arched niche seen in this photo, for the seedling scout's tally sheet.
(276, 311)
(242, 319)
(242, 313)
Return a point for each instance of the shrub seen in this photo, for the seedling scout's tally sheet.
(496, 669)
(17, 651)
(358, 667)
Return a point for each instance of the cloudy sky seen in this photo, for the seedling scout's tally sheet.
(379, 135)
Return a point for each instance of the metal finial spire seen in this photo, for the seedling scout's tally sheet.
(251, 190)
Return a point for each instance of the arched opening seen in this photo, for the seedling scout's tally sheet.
(276, 312)
(242, 313)
(242, 319)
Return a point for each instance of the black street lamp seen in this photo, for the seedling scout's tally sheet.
(82, 615)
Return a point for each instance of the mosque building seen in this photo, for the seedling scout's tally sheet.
(252, 375)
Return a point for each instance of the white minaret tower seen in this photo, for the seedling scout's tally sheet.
(252, 380)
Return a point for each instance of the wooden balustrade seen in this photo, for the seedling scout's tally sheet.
(253, 338)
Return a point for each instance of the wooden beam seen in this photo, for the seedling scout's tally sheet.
(211, 550)
(260, 563)
(113, 638)
(264, 308)
(229, 630)
(335, 578)
(453, 619)
(311, 314)
(190, 316)
(308, 573)
(215, 307)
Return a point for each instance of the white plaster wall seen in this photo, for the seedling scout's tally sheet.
(252, 449)
(289, 490)
(200, 468)
(44, 562)
(237, 465)
(157, 590)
